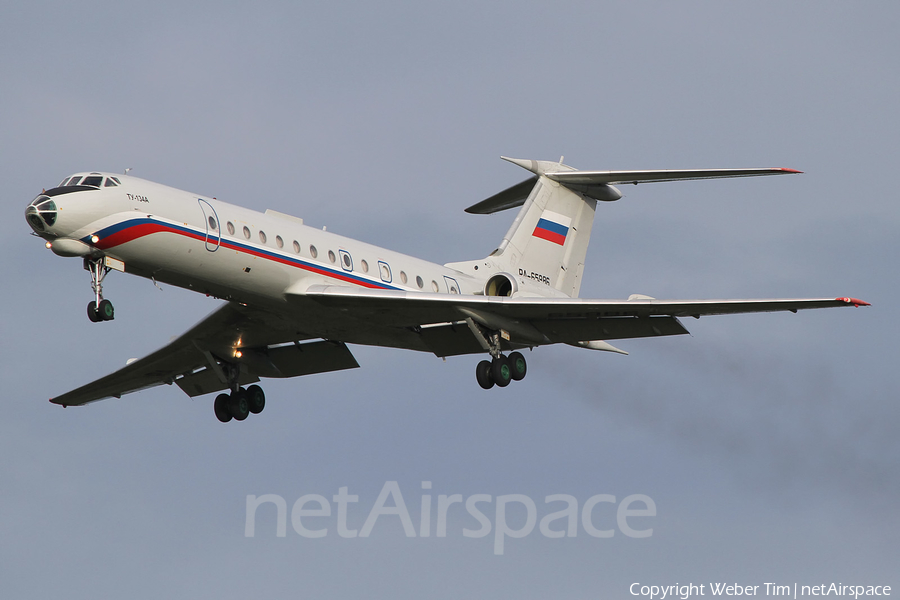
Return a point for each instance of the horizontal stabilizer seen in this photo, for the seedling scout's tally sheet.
(598, 184)
(621, 177)
(509, 198)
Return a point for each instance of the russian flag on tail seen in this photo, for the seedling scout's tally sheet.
(553, 227)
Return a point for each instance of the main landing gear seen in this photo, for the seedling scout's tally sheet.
(501, 370)
(240, 403)
(98, 309)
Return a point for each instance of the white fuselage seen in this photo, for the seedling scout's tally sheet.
(223, 250)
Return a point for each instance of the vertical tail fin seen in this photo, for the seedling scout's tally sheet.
(547, 243)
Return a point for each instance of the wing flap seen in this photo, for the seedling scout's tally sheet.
(315, 357)
(450, 339)
(207, 381)
(587, 328)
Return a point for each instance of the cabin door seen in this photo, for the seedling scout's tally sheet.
(213, 227)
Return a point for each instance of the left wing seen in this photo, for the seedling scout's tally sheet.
(262, 344)
(536, 321)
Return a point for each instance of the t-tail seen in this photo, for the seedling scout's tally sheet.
(546, 246)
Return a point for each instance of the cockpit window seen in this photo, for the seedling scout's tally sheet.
(73, 181)
(110, 182)
(92, 180)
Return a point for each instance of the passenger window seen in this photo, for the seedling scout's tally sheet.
(246, 232)
(434, 286)
(279, 242)
(230, 227)
(212, 224)
(296, 246)
(419, 282)
(403, 277)
(331, 256)
(262, 236)
(364, 265)
(313, 252)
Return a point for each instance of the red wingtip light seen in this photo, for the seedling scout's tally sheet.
(854, 301)
(783, 170)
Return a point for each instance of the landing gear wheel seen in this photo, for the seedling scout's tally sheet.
(483, 374)
(93, 315)
(99, 309)
(238, 406)
(256, 399)
(221, 407)
(106, 311)
(501, 372)
(518, 366)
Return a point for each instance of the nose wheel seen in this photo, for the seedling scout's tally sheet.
(501, 370)
(98, 309)
(102, 312)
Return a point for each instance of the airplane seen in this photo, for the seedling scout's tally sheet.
(295, 296)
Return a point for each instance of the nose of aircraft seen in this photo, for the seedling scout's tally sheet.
(41, 213)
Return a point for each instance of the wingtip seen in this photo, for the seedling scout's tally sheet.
(785, 170)
(854, 301)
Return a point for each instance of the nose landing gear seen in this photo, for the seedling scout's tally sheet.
(102, 312)
(98, 309)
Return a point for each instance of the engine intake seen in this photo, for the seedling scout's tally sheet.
(501, 284)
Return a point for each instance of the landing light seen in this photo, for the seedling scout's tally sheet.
(238, 354)
(95, 239)
(48, 245)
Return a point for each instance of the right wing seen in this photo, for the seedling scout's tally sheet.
(261, 343)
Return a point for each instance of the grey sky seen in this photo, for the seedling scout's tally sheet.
(768, 442)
